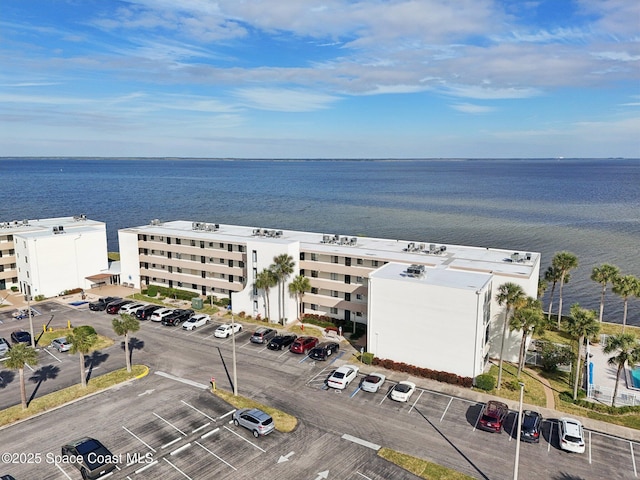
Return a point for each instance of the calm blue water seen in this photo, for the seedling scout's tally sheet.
(589, 207)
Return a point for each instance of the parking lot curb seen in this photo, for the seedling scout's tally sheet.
(143, 374)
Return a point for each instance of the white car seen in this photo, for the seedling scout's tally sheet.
(159, 314)
(343, 376)
(402, 391)
(373, 382)
(571, 435)
(196, 321)
(225, 330)
(130, 308)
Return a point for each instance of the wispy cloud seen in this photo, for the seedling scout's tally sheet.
(284, 100)
(471, 108)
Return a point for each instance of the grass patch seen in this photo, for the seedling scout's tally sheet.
(533, 389)
(560, 382)
(284, 422)
(421, 468)
(308, 331)
(55, 399)
(47, 337)
(616, 328)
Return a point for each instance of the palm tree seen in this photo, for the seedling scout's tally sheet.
(282, 267)
(511, 295)
(542, 287)
(127, 323)
(563, 262)
(17, 357)
(298, 287)
(552, 275)
(604, 274)
(625, 286)
(627, 350)
(265, 281)
(582, 325)
(530, 320)
(82, 339)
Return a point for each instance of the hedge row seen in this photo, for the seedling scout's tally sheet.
(445, 377)
(598, 407)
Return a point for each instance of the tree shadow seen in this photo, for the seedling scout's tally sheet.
(93, 360)
(134, 344)
(460, 452)
(6, 377)
(567, 476)
(42, 375)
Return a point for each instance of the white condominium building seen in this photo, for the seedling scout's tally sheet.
(427, 304)
(47, 256)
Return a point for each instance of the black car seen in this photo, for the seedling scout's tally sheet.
(145, 312)
(114, 307)
(90, 456)
(324, 350)
(21, 336)
(263, 335)
(101, 304)
(531, 425)
(282, 340)
(177, 317)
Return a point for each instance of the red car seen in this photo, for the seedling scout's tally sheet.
(303, 344)
(493, 415)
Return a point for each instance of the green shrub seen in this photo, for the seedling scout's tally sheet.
(39, 298)
(367, 357)
(14, 289)
(485, 382)
(86, 328)
(152, 291)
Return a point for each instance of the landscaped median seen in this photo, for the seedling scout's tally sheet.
(284, 422)
(56, 399)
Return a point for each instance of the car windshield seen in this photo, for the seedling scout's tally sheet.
(572, 439)
(88, 446)
(338, 375)
(372, 379)
(401, 387)
(529, 422)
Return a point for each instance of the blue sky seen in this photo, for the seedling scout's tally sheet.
(320, 79)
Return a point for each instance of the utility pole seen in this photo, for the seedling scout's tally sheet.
(33, 340)
(233, 347)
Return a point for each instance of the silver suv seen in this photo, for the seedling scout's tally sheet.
(259, 422)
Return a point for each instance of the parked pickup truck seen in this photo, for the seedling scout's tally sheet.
(101, 304)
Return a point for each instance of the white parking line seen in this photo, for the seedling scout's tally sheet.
(139, 439)
(208, 434)
(169, 423)
(149, 465)
(63, 472)
(445, 410)
(196, 430)
(249, 442)
(633, 460)
(414, 403)
(589, 448)
(230, 412)
(199, 411)
(45, 350)
(183, 380)
(550, 437)
(177, 469)
(178, 450)
(478, 419)
(211, 453)
(359, 441)
(171, 443)
(317, 375)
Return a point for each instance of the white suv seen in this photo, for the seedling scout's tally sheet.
(571, 435)
(159, 314)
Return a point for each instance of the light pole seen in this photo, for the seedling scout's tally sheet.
(519, 420)
(233, 349)
(33, 340)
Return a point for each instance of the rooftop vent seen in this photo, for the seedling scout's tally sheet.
(156, 221)
(416, 271)
(80, 217)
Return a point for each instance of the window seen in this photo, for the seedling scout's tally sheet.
(347, 279)
(374, 263)
(334, 259)
(193, 243)
(203, 259)
(222, 260)
(301, 255)
(334, 293)
(314, 306)
(334, 310)
(359, 261)
(314, 257)
(359, 280)
(178, 241)
(314, 290)
(230, 263)
(358, 314)
(254, 256)
(203, 274)
(347, 261)
(358, 296)
(230, 247)
(201, 243)
(314, 273)
(347, 297)
(334, 276)
(231, 278)
(221, 245)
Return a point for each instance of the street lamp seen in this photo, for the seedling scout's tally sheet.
(233, 348)
(33, 341)
(519, 420)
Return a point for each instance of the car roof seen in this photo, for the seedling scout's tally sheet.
(259, 414)
(572, 427)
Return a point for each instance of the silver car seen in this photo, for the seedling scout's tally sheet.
(61, 344)
(259, 422)
(373, 382)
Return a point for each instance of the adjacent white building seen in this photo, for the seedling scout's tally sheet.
(47, 256)
(444, 318)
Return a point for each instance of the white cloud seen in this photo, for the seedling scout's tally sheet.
(284, 100)
(471, 108)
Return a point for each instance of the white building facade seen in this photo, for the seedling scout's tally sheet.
(353, 279)
(46, 256)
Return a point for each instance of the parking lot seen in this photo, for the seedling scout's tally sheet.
(183, 434)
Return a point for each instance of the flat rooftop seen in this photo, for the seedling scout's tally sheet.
(472, 281)
(47, 226)
(434, 255)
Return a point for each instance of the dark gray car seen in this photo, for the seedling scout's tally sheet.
(97, 460)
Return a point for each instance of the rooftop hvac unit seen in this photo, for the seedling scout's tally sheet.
(515, 257)
(353, 240)
(343, 240)
(279, 233)
(326, 238)
(61, 229)
(195, 225)
(255, 232)
(443, 248)
(527, 256)
(155, 221)
(432, 247)
(211, 227)
(25, 222)
(216, 225)
(55, 229)
(415, 270)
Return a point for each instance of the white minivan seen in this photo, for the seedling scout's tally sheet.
(159, 314)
